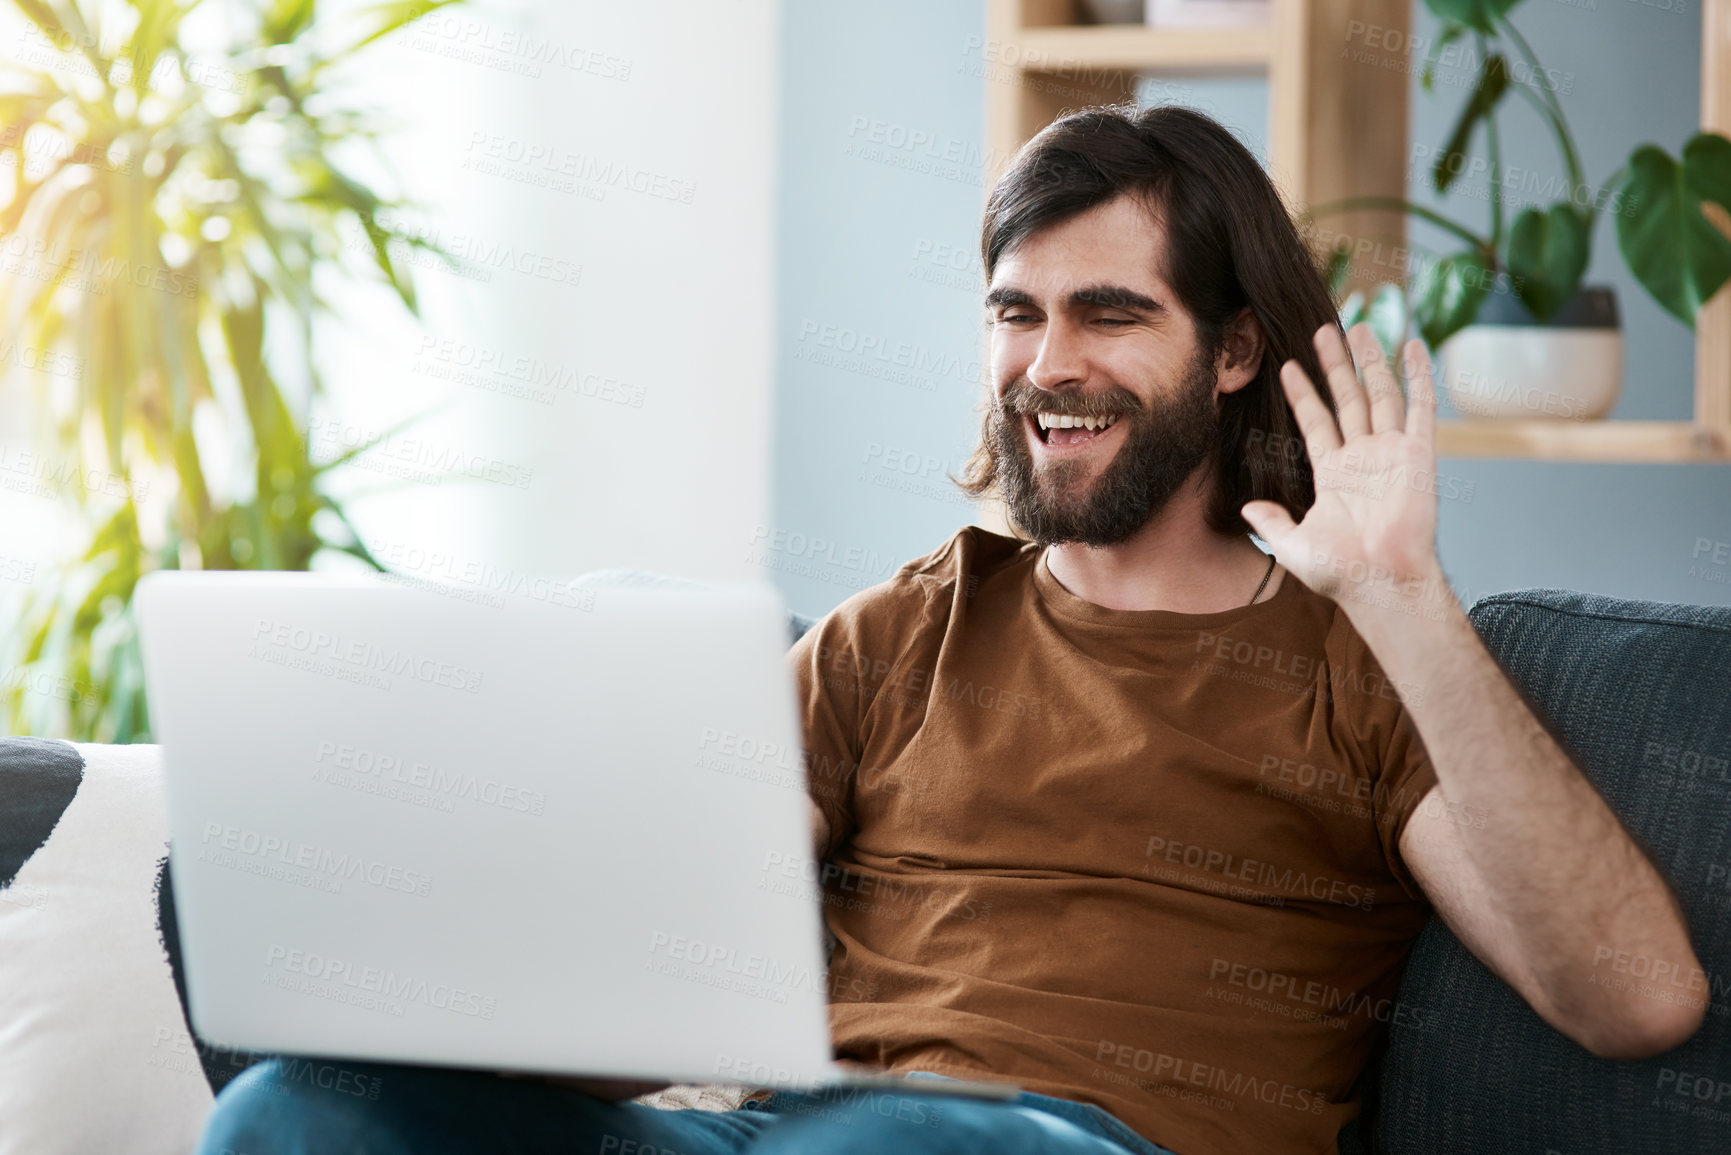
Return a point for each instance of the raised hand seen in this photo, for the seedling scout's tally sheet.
(1369, 541)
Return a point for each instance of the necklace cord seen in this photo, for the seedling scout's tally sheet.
(1268, 574)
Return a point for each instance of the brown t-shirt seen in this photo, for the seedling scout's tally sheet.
(1136, 858)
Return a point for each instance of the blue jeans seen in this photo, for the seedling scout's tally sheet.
(318, 1107)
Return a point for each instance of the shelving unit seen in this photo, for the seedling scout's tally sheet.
(1337, 127)
(1056, 63)
(1137, 46)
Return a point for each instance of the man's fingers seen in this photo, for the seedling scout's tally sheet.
(1270, 521)
(1350, 403)
(1387, 408)
(1421, 394)
(1314, 420)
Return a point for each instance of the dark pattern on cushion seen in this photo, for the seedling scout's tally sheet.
(38, 780)
(220, 1064)
(1640, 694)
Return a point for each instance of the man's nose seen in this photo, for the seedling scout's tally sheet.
(1059, 362)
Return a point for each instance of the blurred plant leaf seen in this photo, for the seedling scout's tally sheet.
(1352, 310)
(1387, 317)
(1548, 256)
(1447, 293)
(1385, 312)
(1336, 268)
(164, 253)
(1450, 33)
(384, 19)
(1493, 82)
(284, 20)
(1477, 14)
(1674, 250)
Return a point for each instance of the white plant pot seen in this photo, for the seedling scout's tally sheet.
(1508, 364)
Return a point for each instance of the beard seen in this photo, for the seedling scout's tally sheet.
(1164, 442)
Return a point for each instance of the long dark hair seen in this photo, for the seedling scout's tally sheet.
(1230, 243)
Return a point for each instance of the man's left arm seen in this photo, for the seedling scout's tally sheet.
(1543, 883)
(1540, 880)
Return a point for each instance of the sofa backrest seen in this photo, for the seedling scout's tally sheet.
(1640, 694)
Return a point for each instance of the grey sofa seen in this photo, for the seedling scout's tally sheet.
(1641, 695)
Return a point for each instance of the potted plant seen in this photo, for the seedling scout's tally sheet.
(1517, 333)
(175, 211)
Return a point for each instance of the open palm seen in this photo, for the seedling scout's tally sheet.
(1370, 537)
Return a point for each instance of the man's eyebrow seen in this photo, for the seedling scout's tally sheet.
(1098, 296)
(1116, 297)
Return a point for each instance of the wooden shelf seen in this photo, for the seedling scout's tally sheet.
(1063, 50)
(1626, 442)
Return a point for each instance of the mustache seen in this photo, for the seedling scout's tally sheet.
(1023, 397)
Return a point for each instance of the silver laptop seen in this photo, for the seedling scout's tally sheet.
(550, 831)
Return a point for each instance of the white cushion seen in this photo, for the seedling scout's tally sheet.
(94, 1051)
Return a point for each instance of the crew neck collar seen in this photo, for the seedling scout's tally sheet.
(1062, 601)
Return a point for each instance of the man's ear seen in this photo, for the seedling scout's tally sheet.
(1240, 353)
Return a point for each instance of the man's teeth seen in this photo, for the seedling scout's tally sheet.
(1065, 421)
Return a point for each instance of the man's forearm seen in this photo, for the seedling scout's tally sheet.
(1573, 889)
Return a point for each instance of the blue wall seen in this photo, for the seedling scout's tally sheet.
(880, 327)
(880, 336)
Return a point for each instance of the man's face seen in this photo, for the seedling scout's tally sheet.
(1083, 326)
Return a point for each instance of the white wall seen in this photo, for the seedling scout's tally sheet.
(609, 171)
(634, 157)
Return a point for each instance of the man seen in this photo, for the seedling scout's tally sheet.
(1131, 813)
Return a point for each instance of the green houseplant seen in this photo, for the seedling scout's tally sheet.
(175, 207)
(1538, 255)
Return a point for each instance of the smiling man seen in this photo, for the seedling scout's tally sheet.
(1233, 785)
(1143, 818)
